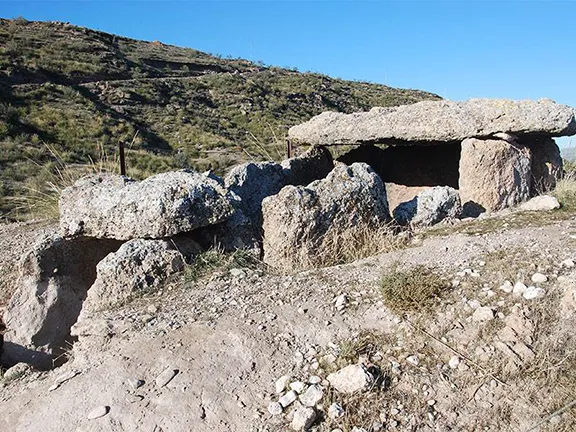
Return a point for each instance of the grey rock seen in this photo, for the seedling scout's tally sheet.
(312, 396)
(540, 203)
(299, 219)
(137, 267)
(304, 417)
(335, 411)
(483, 313)
(134, 398)
(54, 279)
(16, 371)
(111, 206)
(274, 408)
(351, 379)
(533, 292)
(165, 377)
(494, 174)
(438, 121)
(547, 164)
(288, 398)
(135, 383)
(99, 411)
(253, 182)
(429, 207)
(282, 383)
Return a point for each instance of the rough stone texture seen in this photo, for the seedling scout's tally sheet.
(547, 166)
(436, 121)
(494, 174)
(429, 207)
(138, 266)
(398, 194)
(303, 418)
(54, 279)
(253, 182)
(351, 379)
(237, 232)
(541, 203)
(111, 206)
(297, 219)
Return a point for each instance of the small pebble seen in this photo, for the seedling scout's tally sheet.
(98, 412)
(165, 377)
(275, 408)
(539, 278)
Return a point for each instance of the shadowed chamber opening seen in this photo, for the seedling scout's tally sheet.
(407, 170)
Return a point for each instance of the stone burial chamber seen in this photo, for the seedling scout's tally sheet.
(495, 152)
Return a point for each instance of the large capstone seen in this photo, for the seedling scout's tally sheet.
(438, 121)
(494, 174)
(116, 207)
(298, 219)
(54, 279)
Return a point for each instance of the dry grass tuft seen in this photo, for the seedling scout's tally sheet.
(565, 191)
(414, 289)
(216, 260)
(345, 246)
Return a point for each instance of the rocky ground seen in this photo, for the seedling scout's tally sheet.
(220, 352)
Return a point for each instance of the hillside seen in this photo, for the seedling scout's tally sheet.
(72, 94)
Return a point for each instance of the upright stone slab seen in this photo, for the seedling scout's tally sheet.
(298, 219)
(547, 166)
(54, 279)
(494, 174)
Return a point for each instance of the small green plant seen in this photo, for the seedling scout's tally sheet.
(216, 260)
(414, 289)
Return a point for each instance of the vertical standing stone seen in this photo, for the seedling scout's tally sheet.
(494, 174)
(546, 164)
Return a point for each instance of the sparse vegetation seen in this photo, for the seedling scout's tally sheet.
(413, 289)
(215, 261)
(81, 91)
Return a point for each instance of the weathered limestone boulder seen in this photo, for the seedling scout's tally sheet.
(437, 121)
(298, 219)
(253, 182)
(494, 174)
(429, 207)
(111, 206)
(540, 203)
(547, 166)
(137, 267)
(54, 279)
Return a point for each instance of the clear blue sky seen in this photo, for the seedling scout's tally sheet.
(458, 49)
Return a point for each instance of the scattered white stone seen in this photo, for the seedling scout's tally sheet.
(539, 278)
(341, 302)
(288, 398)
(315, 379)
(567, 263)
(275, 408)
(237, 273)
(165, 377)
(519, 288)
(298, 386)
(507, 287)
(335, 411)
(474, 304)
(541, 203)
(135, 383)
(413, 359)
(98, 412)
(533, 292)
(358, 429)
(351, 379)
(454, 362)
(431, 402)
(132, 398)
(482, 314)
(281, 383)
(16, 371)
(312, 396)
(303, 418)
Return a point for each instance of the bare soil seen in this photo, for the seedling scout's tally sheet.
(230, 337)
